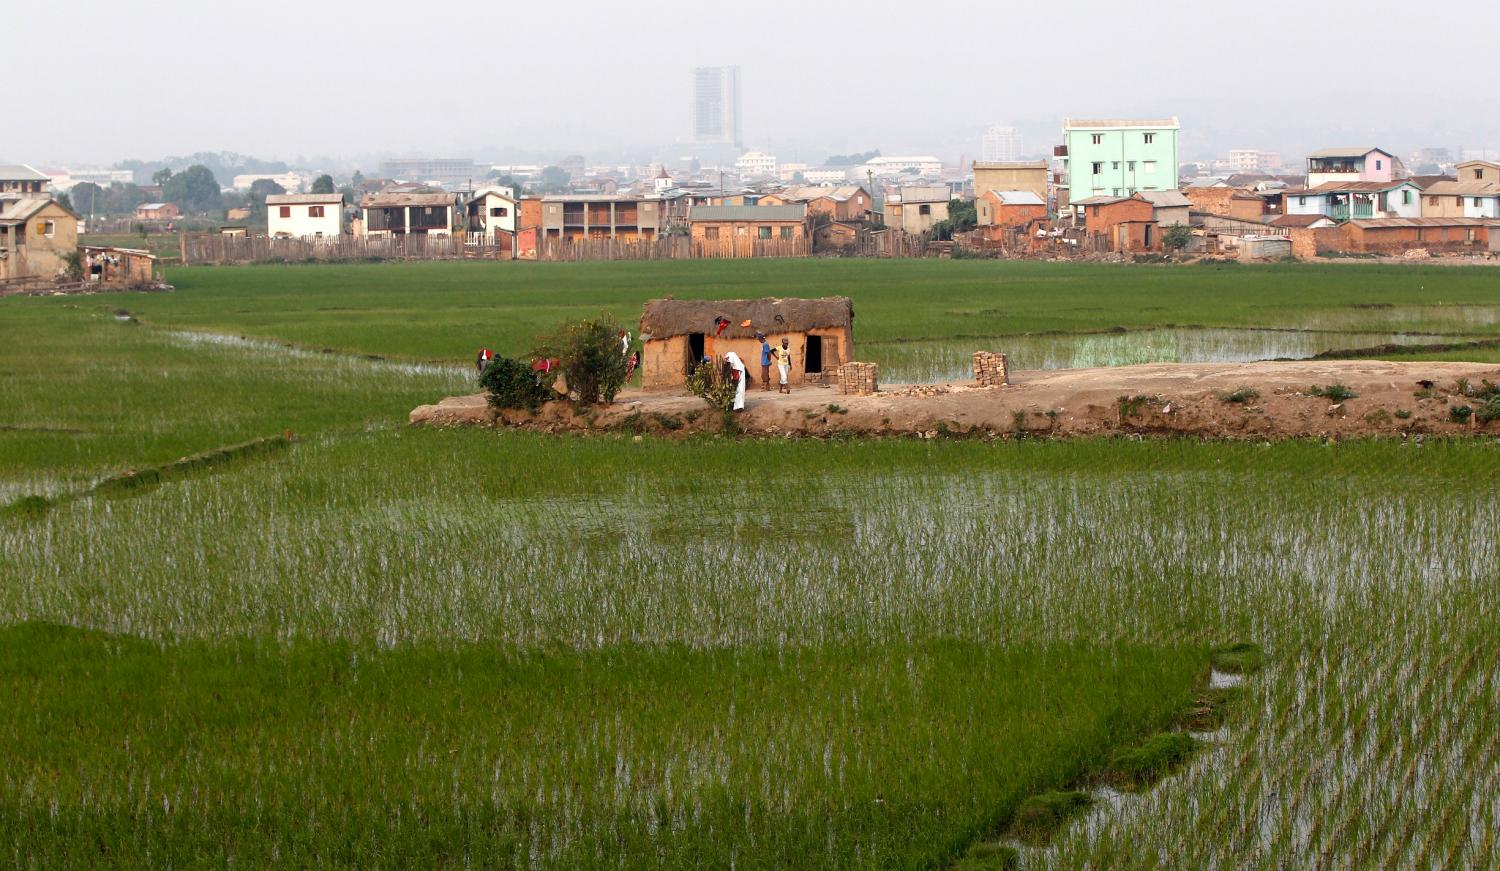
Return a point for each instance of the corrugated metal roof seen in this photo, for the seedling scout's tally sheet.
(926, 195)
(1019, 198)
(393, 200)
(1334, 187)
(1114, 123)
(1349, 151)
(1464, 188)
(1379, 223)
(1010, 164)
(749, 213)
(152, 205)
(22, 172)
(302, 199)
(1166, 199)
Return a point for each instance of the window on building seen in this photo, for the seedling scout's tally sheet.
(1130, 165)
(1432, 201)
(1098, 167)
(1114, 164)
(499, 212)
(1476, 202)
(1148, 166)
(1406, 198)
(1098, 138)
(1379, 163)
(765, 232)
(895, 211)
(315, 211)
(786, 232)
(924, 209)
(1302, 201)
(285, 211)
(1478, 172)
(710, 232)
(49, 228)
(1458, 201)
(1149, 138)
(739, 231)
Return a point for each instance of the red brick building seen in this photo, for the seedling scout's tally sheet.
(1125, 224)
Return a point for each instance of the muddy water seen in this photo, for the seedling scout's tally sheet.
(952, 360)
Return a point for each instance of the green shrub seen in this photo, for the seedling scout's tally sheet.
(705, 385)
(588, 355)
(990, 857)
(511, 384)
(1242, 396)
(27, 507)
(1334, 392)
(1488, 411)
(1460, 413)
(1040, 816)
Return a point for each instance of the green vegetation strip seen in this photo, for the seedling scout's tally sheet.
(258, 752)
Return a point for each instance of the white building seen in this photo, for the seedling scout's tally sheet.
(1253, 160)
(291, 182)
(494, 212)
(826, 175)
(1001, 144)
(756, 163)
(66, 179)
(885, 167)
(298, 216)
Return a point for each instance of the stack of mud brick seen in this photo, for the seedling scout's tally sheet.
(859, 379)
(991, 370)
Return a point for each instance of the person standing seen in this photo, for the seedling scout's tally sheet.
(765, 361)
(484, 358)
(784, 364)
(737, 373)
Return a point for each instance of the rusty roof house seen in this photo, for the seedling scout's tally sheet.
(678, 333)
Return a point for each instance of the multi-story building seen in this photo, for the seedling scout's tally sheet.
(756, 163)
(716, 106)
(884, 167)
(1011, 176)
(37, 233)
(601, 216)
(1345, 165)
(1117, 158)
(448, 172)
(1252, 160)
(299, 216)
(1000, 144)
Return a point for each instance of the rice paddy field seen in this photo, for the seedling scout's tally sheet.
(384, 647)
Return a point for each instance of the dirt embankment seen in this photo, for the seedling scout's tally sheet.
(1217, 400)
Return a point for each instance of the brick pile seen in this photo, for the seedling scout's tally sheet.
(991, 370)
(859, 379)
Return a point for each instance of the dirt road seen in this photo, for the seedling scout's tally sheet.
(1169, 398)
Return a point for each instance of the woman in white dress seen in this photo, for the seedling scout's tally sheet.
(737, 366)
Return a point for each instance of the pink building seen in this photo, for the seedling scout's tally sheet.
(1344, 165)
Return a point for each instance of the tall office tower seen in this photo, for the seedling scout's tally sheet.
(716, 106)
(1001, 143)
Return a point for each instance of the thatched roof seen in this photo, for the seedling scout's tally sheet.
(664, 318)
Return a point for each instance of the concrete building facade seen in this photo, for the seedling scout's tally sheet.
(1118, 158)
(298, 216)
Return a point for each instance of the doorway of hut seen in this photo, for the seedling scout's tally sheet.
(695, 351)
(812, 362)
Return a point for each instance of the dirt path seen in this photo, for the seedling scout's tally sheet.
(1169, 398)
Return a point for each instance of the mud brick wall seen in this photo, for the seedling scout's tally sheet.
(991, 370)
(859, 379)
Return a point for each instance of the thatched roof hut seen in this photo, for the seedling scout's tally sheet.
(665, 318)
(680, 332)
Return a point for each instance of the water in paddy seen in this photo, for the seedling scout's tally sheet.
(952, 360)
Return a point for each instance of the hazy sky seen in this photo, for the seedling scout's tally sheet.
(281, 79)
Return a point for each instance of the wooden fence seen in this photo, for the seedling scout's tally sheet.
(221, 249)
(669, 248)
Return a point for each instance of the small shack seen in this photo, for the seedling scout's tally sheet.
(108, 265)
(678, 333)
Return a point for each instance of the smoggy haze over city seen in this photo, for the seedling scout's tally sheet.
(497, 81)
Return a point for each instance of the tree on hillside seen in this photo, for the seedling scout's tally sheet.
(851, 159)
(256, 198)
(161, 177)
(88, 197)
(194, 189)
(555, 179)
(323, 184)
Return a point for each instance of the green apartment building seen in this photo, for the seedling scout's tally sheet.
(1117, 158)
